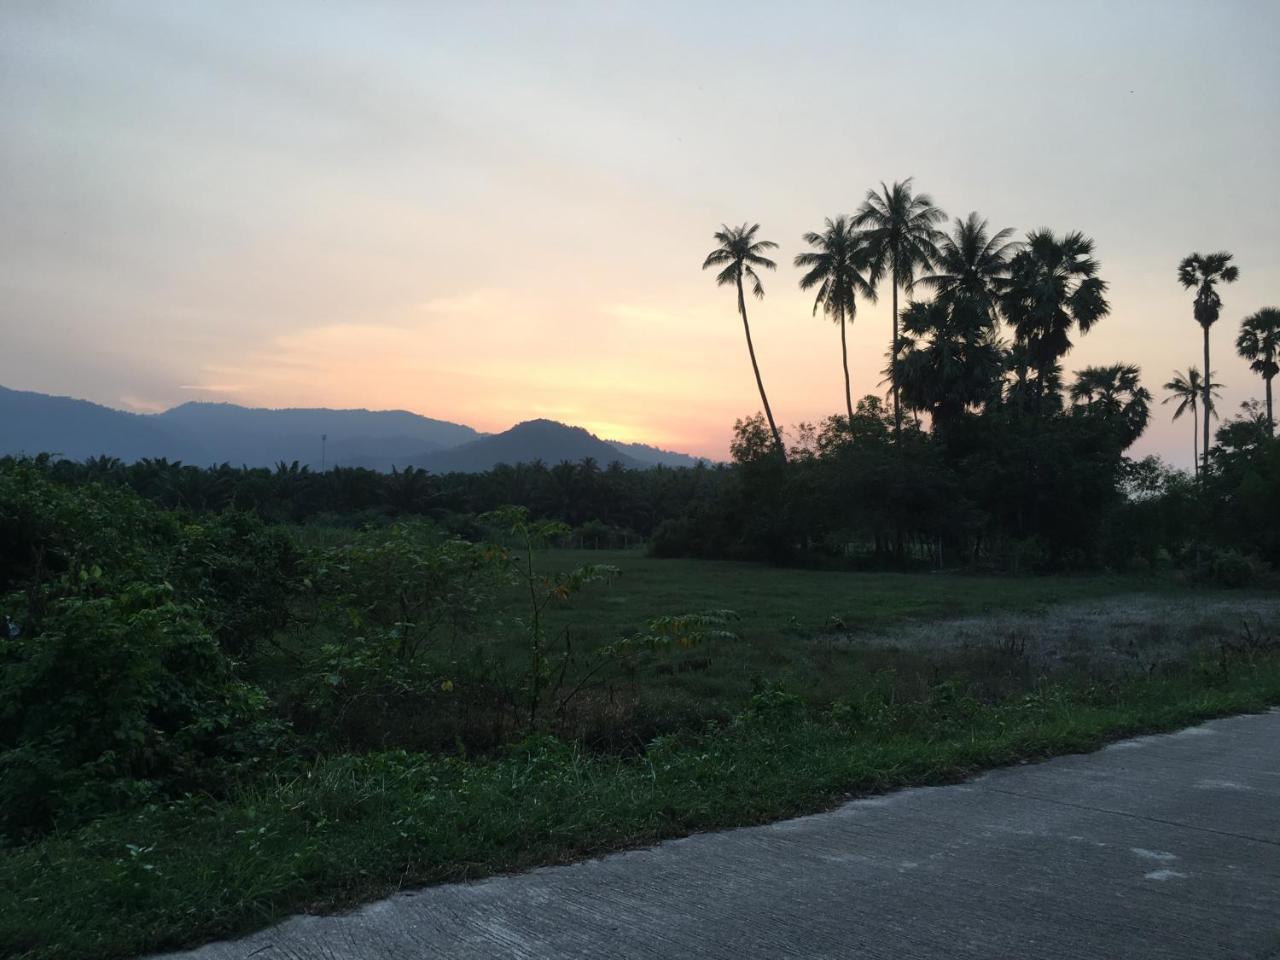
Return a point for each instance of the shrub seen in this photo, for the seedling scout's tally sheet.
(1231, 569)
(245, 572)
(671, 539)
(114, 700)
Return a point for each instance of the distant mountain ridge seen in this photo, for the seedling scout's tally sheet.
(315, 436)
(208, 433)
(527, 442)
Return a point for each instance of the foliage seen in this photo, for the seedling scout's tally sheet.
(411, 581)
(1259, 343)
(544, 589)
(1053, 287)
(247, 572)
(1114, 395)
(341, 830)
(116, 701)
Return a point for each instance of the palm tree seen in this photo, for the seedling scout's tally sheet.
(901, 234)
(972, 265)
(836, 267)
(1053, 286)
(1188, 390)
(1114, 393)
(739, 253)
(951, 360)
(1205, 272)
(1259, 342)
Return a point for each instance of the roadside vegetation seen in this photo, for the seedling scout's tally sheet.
(210, 721)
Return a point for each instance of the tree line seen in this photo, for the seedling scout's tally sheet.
(985, 452)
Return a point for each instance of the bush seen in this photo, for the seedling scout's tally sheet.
(115, 700)
(246, 574)
(1221, 568)
(671, 539)
(1231, 569)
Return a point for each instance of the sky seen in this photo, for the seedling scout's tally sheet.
(489, 212)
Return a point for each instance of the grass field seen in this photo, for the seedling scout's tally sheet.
(837, 684)
(790, 627)
(780, 602)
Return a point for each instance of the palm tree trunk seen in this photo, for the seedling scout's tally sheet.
(1195, 443)
(893, 363)
(1271, 422)
(1208, 381)
(768, 412)
(849, 393)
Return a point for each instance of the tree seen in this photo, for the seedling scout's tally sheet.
(1188, 390)
(739, 253)
(1114, 393)
(972, 266)
(1259, 343)
(836, 267)
(1053, 287)
(901, 234)
(1027, 388)
(951, 360)
(1205, 272)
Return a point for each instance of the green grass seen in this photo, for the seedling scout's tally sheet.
(776, 602)
(780, 612)
(346, 829)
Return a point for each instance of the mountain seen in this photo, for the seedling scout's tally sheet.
(655, 456)
(262, 437)
(544, 440)
(209, 433)
(77, 429)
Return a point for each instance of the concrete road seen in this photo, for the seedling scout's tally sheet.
(1161, 847)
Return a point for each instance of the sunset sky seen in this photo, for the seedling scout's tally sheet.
(492, 212)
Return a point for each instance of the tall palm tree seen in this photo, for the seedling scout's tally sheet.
(901, 234)
(739, 253)
(837, 268)
(1053, 286)
(1205, 272)
(1114, 393)
(1188, 390)
(1259, 342)
(972, 265)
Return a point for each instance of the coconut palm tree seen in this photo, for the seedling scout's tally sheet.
(837, 267)
(1114, 393)
(739, 253)
(972, 266)
(1205, 272)
(1188, 390)
(901, 234)
(1053, 287)
(1259, 343)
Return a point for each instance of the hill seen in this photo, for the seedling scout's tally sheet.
(545, 440)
